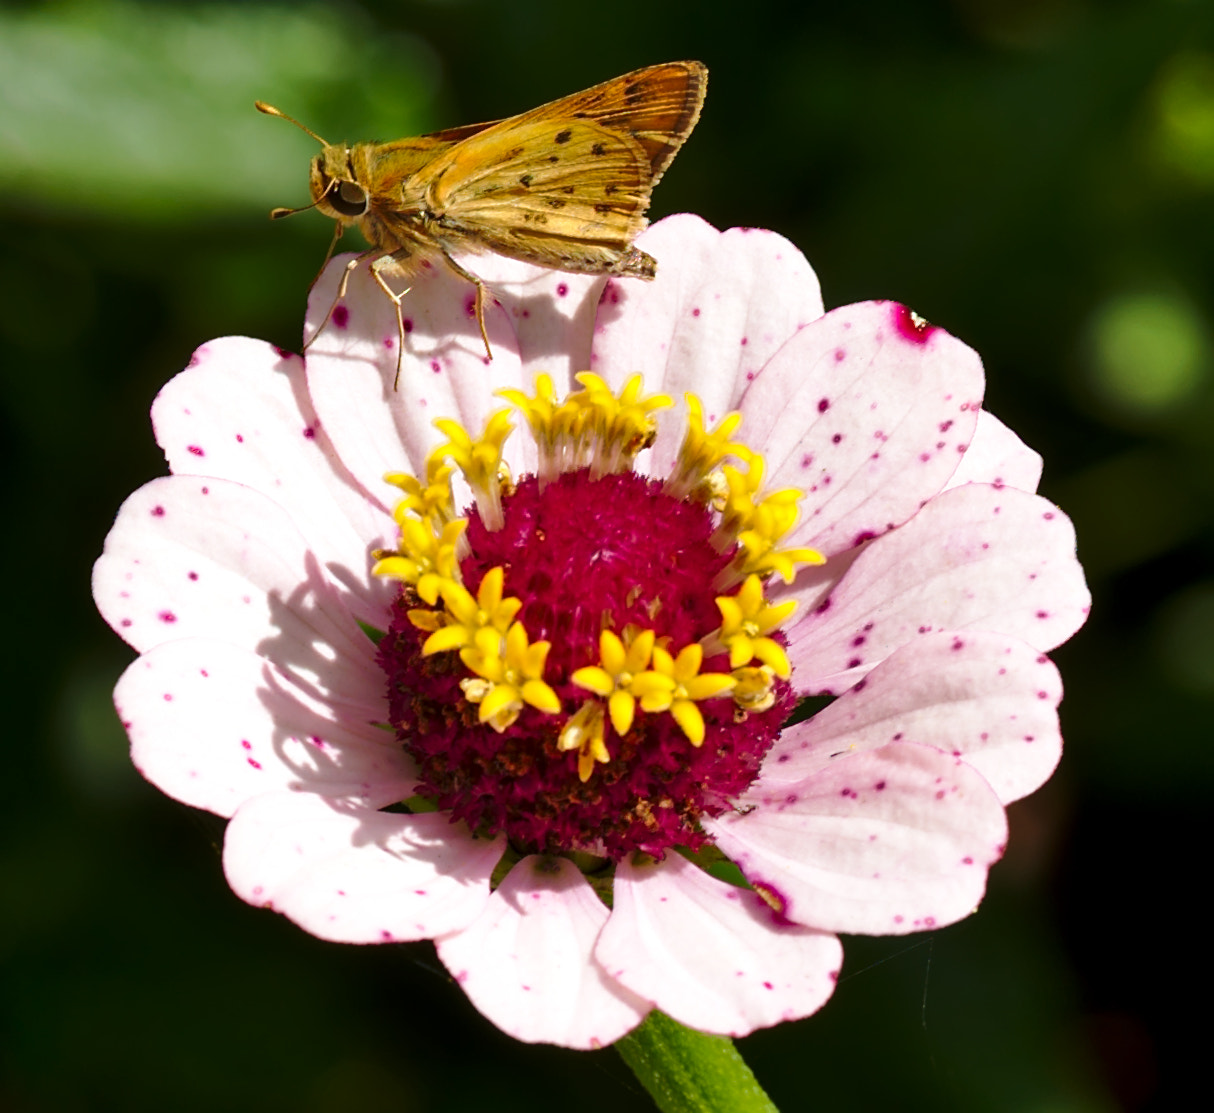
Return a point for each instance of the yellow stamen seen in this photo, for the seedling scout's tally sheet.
(584, 733)
(702, 451)
(745, 618)
(675, 684)
(513, 679)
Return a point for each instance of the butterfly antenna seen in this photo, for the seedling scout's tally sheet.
(280, 212)
(270, 110)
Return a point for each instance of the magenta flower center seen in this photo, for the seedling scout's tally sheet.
(580, 554)
(585, 661)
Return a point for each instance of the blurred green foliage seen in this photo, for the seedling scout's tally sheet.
(1035, 175)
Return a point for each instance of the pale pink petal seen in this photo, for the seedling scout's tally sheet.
(985, 697)
(193, 557)
(527, 962)
(274, 443)
(213, 725)
(552, 313)
(444, 370)
(878, 843)
(868, 415)
(974, 558)
(353, 875)
(721, 306)
(711, 955)
(999, 457)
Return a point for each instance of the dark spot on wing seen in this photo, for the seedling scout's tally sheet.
(598, 149)
(568, 189)
(557, 202)
(562, 136)
(514, 152)
(554, 158)
(525, 180)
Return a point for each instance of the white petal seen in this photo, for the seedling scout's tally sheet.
(712, 956)
(213, 725)
(879, 843)
(721, 305)
(999, 457)
(974, 558)
(354, 875)
(867, 416)
(198, 557)
(527, 962)
(272, 441)
(552, 313)
(984, 697)
(444, 369)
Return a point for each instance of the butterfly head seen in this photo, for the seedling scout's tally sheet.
(335, 188)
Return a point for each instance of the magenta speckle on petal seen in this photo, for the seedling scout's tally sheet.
(309, 433)
(745, 341)
(823, 405)
(246, 743)
(341, 316)
(562, 289)
(157, 511)
(253, 762)
(389, 342)
(911, 326)
(193, 575)
(435, 366)
(167, 697)
(167, 617)
(240, 438)
(195, 450)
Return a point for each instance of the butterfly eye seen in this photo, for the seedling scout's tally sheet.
(349, 199)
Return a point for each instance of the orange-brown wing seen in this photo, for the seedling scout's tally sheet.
(656, 106)
(557, 191)
(454, 135)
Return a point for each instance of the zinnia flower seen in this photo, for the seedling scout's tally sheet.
(534, 709)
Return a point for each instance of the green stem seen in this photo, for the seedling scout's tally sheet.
(691, 1072)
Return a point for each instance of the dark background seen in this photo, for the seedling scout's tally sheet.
(1036, 177)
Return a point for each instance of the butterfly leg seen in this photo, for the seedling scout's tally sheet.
(341, 293)
(387, 262)
(468, 276)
